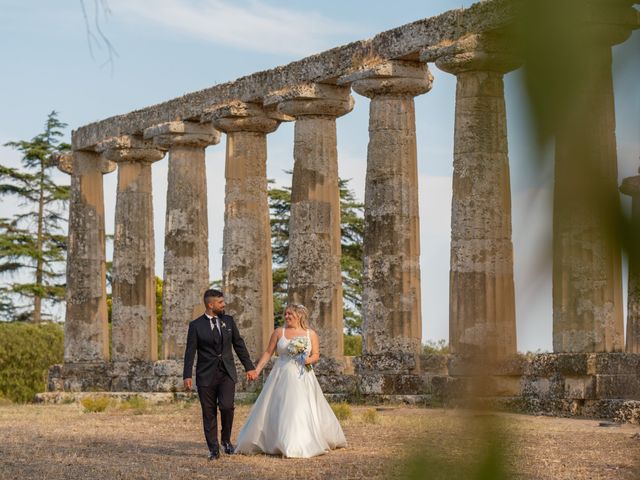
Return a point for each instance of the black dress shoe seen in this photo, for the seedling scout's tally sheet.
(228, 448)
(214, 454)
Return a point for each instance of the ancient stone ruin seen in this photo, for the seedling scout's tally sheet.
(588, 373)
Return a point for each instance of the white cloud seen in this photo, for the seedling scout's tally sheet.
(250, 25)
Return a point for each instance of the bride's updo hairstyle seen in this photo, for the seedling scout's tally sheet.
(301, 312)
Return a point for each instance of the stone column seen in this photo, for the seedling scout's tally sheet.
(186, 241)
(482, 315)
(587, 278)
(315, 274)
(246, 258)
(631, 186)
(86, 329)
(133, 314)
(392, 298)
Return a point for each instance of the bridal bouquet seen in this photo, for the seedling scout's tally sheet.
(297, 349)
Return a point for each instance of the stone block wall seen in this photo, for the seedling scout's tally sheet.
(605, 385)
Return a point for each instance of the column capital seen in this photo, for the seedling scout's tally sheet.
(191, 134)
(606, 22)
(392, 78)
(631, 185)
(319, 99)
(129, 148)
(240, 116)
(64, 162)
(474, 52)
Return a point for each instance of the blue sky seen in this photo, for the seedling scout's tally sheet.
(166, 48)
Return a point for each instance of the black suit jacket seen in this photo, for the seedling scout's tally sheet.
(200, 339)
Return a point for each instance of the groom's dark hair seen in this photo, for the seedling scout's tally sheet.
(212, 294)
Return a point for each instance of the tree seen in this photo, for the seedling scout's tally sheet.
(280, 209)
(33, 240)
(352, 231)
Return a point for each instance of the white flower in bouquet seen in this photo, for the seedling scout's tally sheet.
(297, 349)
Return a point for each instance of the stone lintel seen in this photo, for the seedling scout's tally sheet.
(400, 42)
(475, 52)
(194, 134)
(129, 148)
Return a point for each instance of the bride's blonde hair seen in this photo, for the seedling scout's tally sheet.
(301, 312)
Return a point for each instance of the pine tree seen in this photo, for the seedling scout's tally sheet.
(33, 241)
(280, 209)
(352, 231)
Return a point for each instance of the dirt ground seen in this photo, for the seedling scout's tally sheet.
(166, 442)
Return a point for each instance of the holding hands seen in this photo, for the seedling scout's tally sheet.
(252, 375)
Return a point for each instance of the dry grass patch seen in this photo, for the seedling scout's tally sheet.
(95, 404)
(341, 410)
(370, 416)
(166, 442)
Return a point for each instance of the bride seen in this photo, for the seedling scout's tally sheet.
(291, 417)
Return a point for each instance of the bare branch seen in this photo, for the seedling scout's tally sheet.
(95, 34)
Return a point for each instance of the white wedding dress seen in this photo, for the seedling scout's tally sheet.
(291, 417)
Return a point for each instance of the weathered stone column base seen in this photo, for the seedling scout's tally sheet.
(593, 385)
(158, 376)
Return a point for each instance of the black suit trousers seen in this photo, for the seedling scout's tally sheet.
(219, 394)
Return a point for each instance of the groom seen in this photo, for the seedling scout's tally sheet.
(212, 336)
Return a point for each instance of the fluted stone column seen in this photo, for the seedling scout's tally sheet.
(186, 240)
(314, 271)
(391, 298)
(86, 330)
(246, 258)
(587, 278)
(631, 186)
(133, 314)
(481, 290)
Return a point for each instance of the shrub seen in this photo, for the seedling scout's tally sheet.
(352, 345)
(26, 353)
(341, 410)
(135, 403)
(438, 347)
(96, 403)
(370, 416)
